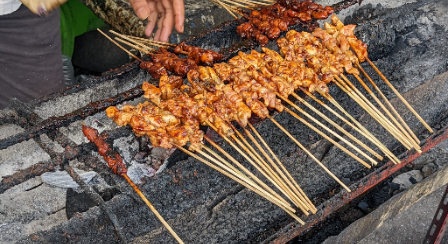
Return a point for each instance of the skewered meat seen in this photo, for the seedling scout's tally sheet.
(199, 55)
(271, 20)
(248, 83)
(113, 158)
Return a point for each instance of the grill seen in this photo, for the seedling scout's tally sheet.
(408, 44)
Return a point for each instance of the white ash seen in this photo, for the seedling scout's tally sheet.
(137, 171)
(155, 163)
(64, 180)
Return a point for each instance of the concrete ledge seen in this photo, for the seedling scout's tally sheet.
(393, 222)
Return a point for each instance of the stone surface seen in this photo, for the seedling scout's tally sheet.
(9, 130)
(26, 212)
(406, 180)
(403, 219)
(21, 156)
(428, 169)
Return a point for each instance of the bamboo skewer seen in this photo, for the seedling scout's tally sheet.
(388, 103)
(250, 2)
(330, 131)
(359, 125)
(297, 187)
(274, 177)
(311, 155)
(395, 123)
(152, 42)
(409, 134)
(291, 213)
(236, 4)
(117, 165)
(398, 132)
(132, 40)
(121, 47)
(245, 170)
(132, 45)
(375, 115)
(222, 5)
(399, 95)
(239, 175)
(159, 42)
(409, 140)
(337, 126)
(229, 167)
(361, 130)
(153, 209)
(299, 202)
(328, 138)
(238, 10)
(262, 171)
(282, 174)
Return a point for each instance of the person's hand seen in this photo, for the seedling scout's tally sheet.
(167, 13)
(42, 7)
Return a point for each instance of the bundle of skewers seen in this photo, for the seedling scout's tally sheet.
(227, 95)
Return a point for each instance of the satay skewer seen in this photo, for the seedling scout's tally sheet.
(255, 2)
(225, 166)
(153, 209)
(225, 7)
(297, 187)
(337, 126)
(376, 116)
(132, 41)
(388, 103)
(251, 3)
(249, 159)
(394, 122)
(359, 128)
(237, 180)
(288, 187)
(348, 84)
(273, 177)
(154, 43)
(237, 10)
(260, 160)
(132, 45)
(399, 95)
(391, 129)
(151, 42)
(407, 132)
(329, 130)
(245, 170)
(236, 4)
(328, 138)
(115, 162)
(361, 51)
(311, 155)
(118, 45)
(282, 186)
(356, 122)
(280, 172)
